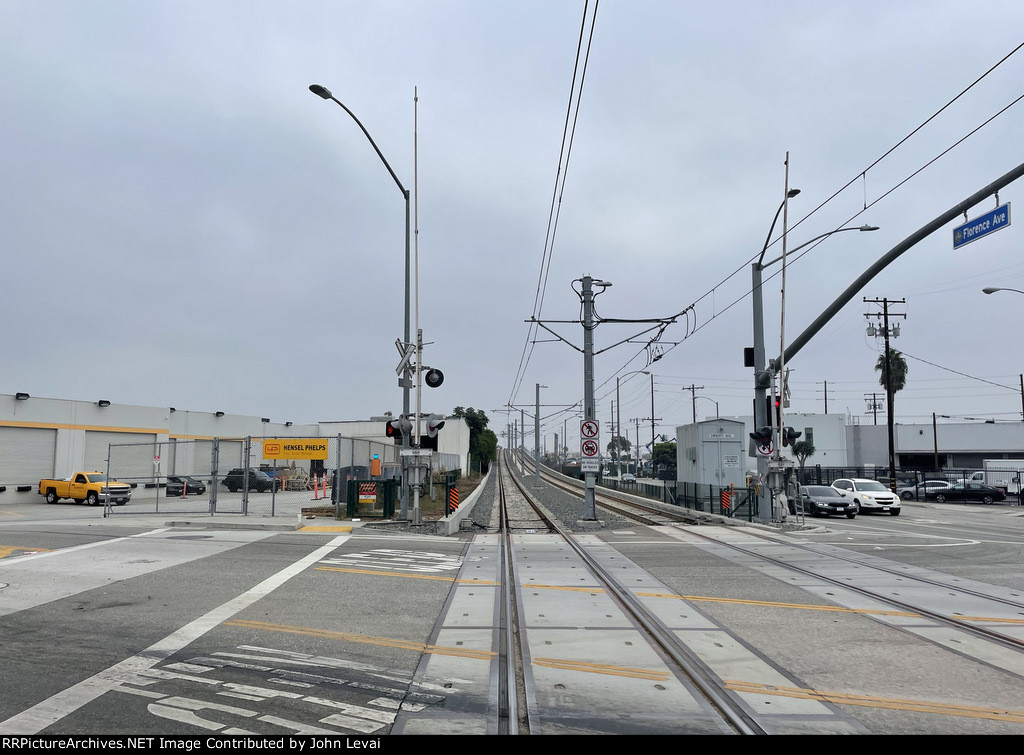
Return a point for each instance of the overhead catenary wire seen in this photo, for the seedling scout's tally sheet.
(694, 327)
(707, 320)
(568, 135)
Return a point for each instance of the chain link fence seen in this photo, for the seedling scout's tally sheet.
(233, 475)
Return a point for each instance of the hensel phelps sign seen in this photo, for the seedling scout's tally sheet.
(983, 225)
(295, 448)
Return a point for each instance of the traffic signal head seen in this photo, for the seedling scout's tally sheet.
(789, 436)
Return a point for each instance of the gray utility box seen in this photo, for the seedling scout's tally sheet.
(712, 452)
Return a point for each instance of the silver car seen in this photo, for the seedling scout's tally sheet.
(923, 489)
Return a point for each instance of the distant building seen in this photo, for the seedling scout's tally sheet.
(961, 445)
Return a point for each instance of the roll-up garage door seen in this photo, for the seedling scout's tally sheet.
(231, 456)
(131, 455)
(26, 455)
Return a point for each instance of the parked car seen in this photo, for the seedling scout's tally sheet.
(627, 477)
(969, 491)
(259, 481)
(869, 495)
(822, 500)
(922, 489)
(178, 485)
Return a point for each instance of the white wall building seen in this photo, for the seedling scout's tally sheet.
(46, 437)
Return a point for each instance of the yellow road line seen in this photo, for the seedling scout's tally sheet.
(691, 598)
(771, 604)
(602, 668)
(365, 639)
(340, 528)
(408, 575)
(7, 550)
(837, 698)
(871, 701)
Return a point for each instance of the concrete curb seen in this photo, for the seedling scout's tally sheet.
(451, 524)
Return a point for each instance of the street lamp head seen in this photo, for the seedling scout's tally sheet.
(792, 193)
(320, 91)
(868, 228)
(990, 290)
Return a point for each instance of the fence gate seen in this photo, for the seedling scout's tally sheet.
(169, 477)
(251, 476)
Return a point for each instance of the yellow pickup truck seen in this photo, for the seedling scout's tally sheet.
(86, 487)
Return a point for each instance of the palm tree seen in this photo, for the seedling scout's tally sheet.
(895, 378)
(801, 450)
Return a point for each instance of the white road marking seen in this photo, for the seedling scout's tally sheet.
(53, 709)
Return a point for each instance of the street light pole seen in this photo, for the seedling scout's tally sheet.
(406, 379)
(618, 418)
(706, 399)
(992, 290)
(763, 374)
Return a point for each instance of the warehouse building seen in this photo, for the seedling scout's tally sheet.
(54, 438)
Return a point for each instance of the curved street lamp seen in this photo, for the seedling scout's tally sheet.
(406, 381)
(993, 289)
(713, 402)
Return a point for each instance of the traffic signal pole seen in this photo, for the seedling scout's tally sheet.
(762, 378)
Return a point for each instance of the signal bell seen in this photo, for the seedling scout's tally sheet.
(433, 378)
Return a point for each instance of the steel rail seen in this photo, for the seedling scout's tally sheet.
(1005, 640)
(730, 708)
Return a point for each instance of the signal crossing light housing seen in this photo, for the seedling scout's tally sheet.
(762, 438)
(434, 423)
(398, 428)
(789, 436)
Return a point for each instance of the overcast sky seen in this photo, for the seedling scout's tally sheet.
(184, 224)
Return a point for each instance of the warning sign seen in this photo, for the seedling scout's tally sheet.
(295, 448)
(368, 493)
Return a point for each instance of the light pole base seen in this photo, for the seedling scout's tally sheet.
(590, 524)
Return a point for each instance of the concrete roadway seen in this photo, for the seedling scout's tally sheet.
(128, 625)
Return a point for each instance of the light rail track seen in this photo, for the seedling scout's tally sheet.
(682, 660)
(981, 613)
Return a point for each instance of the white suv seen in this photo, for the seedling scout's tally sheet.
(869, 495)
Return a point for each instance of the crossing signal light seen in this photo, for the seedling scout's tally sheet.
(397, 428)
(434, 423)
(789, 436)
(762, 438)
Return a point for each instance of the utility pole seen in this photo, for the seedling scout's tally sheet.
(873, 404)
(693, 398)
(826, 397)
(886, 331)
(590, 479)
(536, 433)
